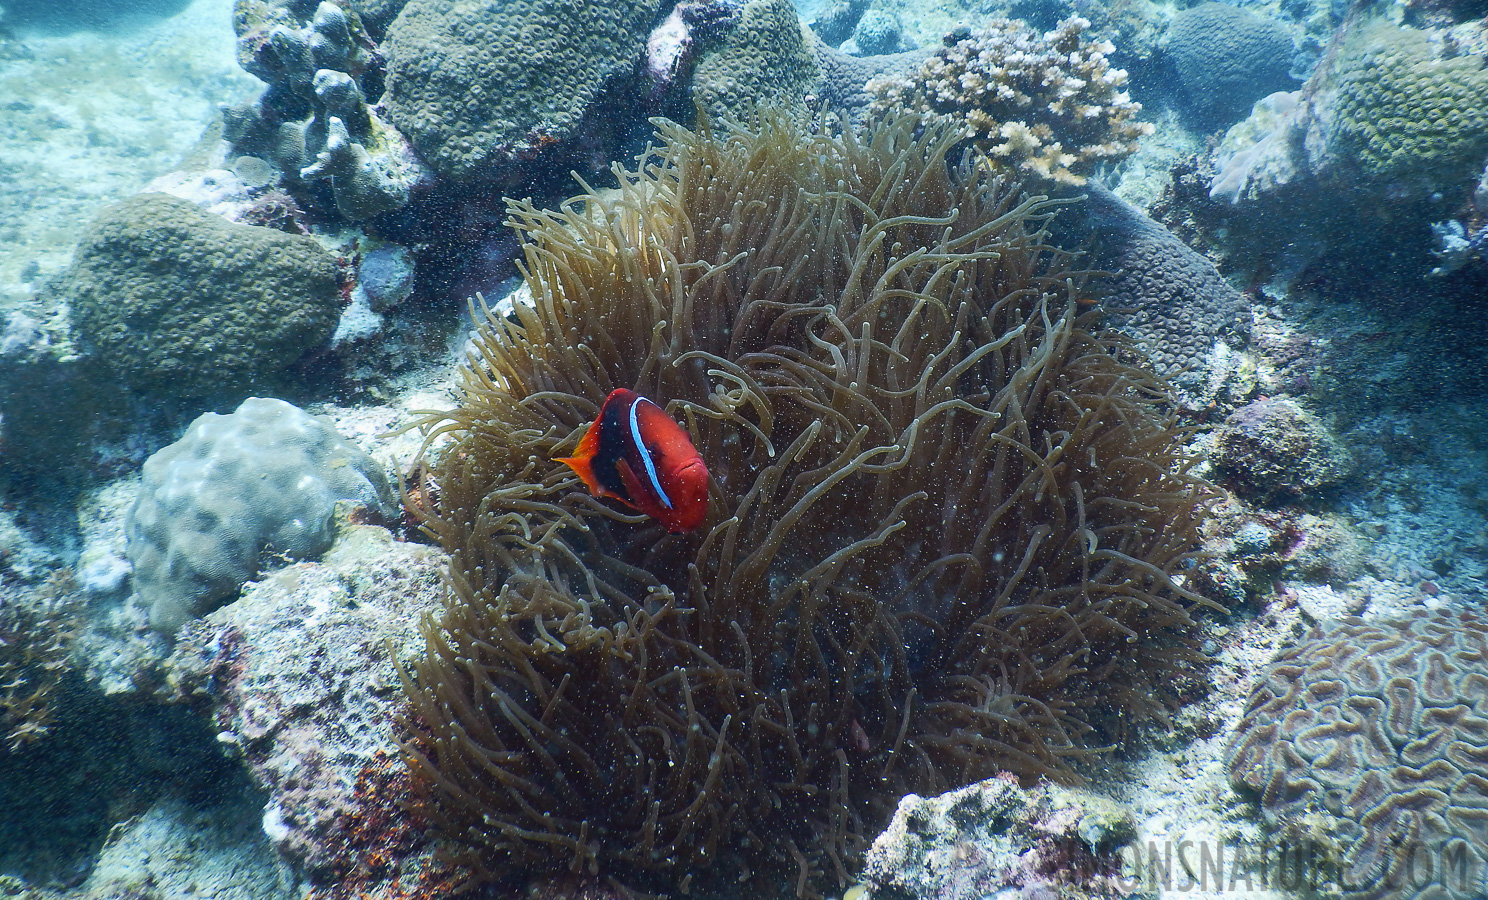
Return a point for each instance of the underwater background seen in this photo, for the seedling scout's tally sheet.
(1091, 395)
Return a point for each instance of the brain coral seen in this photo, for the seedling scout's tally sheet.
(175, 299)
(1227, 58)
(476, 83)
(1049, 103)
(1401, 113)
(942, 537)
(262, 481)
(1373, 739)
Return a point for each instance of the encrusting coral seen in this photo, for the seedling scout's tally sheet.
(1051, 103)
(945, 533)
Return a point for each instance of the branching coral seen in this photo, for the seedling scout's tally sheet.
(945, 530)
(1049, 103)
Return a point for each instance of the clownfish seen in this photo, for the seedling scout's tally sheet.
(637, 454)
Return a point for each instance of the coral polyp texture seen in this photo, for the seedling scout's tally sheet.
(1049, 103)
(945, 532)
(1372, 741)
(1227, 58)
(179, 301)
(479, 84)
(1404, 112)
(233, 492)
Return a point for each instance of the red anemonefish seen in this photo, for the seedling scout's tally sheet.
(637, 454)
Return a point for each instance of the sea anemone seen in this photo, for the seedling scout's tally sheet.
(945, 533)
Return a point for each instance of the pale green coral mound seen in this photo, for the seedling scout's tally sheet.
(766, 57)
(235, 492)
(175, 299)
(480, 83)
(1051, 104)
(1403, 113)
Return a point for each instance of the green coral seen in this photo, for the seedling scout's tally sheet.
(1402, 113)
(176, 299)
(766, 58)
(475, 84)
(1050, 104)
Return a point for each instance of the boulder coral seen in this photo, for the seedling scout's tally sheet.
(234, 491)
(1227, 58)
(478, 85)
(176, 300)
(1403, 112)
(945, 536)
(1049, 104)
(1387, 112)
(767, 56)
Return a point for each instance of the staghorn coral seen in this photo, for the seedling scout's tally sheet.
(1369, 740)
(36, 635)
(1050, 104)
(944, 520)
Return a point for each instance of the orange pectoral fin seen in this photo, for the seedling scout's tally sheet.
(582, 462)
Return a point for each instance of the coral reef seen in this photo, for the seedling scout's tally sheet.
(176, 300)
(478, 86)
(286, 45)
(1368, 740)
(944, 519)
(313, 119)
(1401, 114)
(1273, 450)
(36, 631)
(878, 32)
(301, 686)
(1386, 137)
(673, 45)
(836, 20)
(1188, 321)
(1050, 104)
(995, 837)
(372, 168)
(376, 15)
(767, 57)
(234, 490)
(1227, 58)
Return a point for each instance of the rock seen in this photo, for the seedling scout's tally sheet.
(301, 681)
(995, 838)
(1273, 450)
